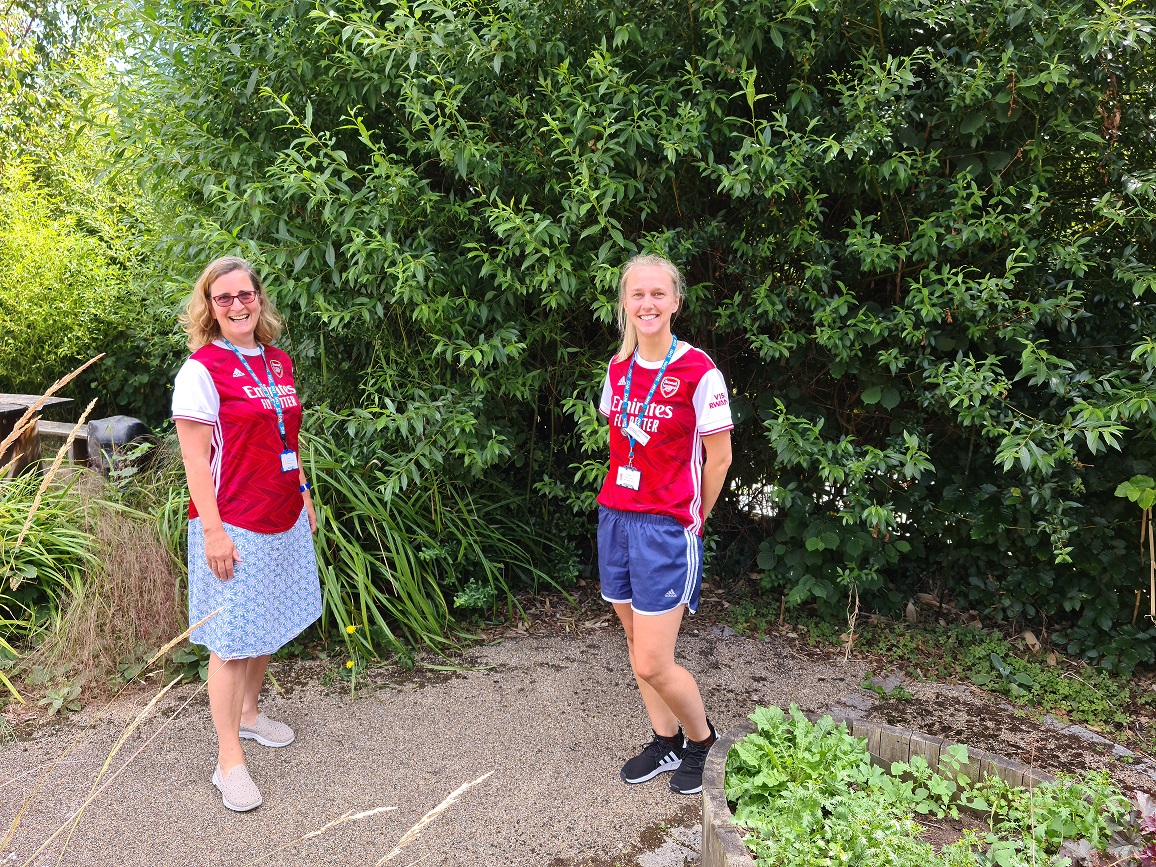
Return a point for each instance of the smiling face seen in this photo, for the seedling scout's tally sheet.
(238, 321)
(649, 300)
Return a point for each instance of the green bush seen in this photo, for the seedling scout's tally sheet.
(61, 300)
(80, 273)
(918, 237)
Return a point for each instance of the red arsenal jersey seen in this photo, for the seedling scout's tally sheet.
(213, 387)
(691, 402)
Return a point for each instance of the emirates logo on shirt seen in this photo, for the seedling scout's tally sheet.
(278, 370)
(669, 386)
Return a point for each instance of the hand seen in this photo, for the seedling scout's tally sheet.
(311, 512)
(221, 553)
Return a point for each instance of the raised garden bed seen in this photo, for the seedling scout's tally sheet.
(722, 840)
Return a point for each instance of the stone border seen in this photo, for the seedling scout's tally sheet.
(722, 840)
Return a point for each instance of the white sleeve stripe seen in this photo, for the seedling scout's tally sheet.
(711, 401)
(218, 448)
(696, 484)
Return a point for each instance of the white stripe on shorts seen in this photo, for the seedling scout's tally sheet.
(691, 565)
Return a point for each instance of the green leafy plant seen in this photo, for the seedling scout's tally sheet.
(190, 661)
(1141, 490)
(61, 698)
(896, 692)
(1017, 683)
(392, 547)
(476, 596)
(811, 795)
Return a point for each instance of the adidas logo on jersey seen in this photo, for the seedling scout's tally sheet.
(670, 594)
(236, 373)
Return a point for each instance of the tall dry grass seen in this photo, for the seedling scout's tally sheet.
(129, 601)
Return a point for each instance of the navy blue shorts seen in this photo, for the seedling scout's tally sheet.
(650, 561)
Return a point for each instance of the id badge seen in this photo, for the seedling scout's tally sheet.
(640, 436)
(289, 461)
(629, 477)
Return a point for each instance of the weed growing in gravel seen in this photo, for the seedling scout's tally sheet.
(895, 693)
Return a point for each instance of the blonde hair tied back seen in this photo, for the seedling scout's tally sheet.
(198, 320)
(625, 326)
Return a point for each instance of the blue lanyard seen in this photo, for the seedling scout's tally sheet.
(271, 390)
(649, 394)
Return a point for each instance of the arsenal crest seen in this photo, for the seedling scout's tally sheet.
(669, 386)
(278, 370)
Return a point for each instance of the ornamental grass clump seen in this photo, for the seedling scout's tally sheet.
(129, 601)
(810, 796)
(87, 584)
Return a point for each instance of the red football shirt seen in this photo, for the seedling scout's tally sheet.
(213, 387)
(691, 402)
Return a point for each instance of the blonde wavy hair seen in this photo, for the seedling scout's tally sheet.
(198, 320)
(677, 285)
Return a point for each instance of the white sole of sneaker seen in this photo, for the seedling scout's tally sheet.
(265, 742)
(663, 769)
(686, 791)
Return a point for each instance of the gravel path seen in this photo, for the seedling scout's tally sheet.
(552, 716)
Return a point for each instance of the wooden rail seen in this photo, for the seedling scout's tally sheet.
(78, 451)
(25, 451)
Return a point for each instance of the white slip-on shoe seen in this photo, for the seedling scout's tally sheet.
(238, 791)
(268, 732)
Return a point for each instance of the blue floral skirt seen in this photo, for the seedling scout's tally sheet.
(273, 595)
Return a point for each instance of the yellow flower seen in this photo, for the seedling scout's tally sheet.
(349, 664)
(350, 629)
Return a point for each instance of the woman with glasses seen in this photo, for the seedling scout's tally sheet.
(670, 448)
(252, 568)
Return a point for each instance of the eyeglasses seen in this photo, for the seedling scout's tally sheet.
(246, 296)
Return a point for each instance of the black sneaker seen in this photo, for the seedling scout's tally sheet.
(687, 780)
(661, 756)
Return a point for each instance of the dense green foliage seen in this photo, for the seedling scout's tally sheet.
(394, 562)
(58, 300)
(78, 259)
(914, 241)
(811, 795)
(918, 236)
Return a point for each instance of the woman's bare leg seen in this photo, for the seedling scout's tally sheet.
(226, 687)
(669, 691)
(254, 679)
